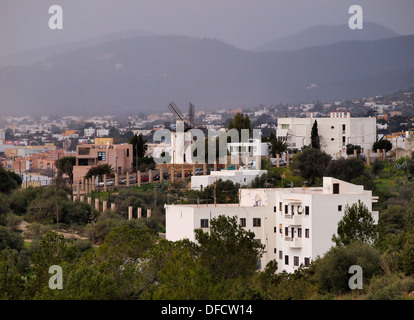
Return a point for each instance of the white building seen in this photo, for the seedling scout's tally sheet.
(241, 176)
(335, 132)
(89, 132)
(295, 224)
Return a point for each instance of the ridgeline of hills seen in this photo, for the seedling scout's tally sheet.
(144, 73)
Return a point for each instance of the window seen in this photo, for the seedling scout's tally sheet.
(307, 233)
(257, 222)
(280, 206)
(274, 209)
(287, 260)
(307, 262)
(243, 222)
(307, 210)
(339, 208)
(299, 232)
(296, 261)
(280, 228)
(343, 128)
(336, 188)
(280, 254)
(286, 209)
(274, 250)
(101, 156)
(286, 231)
(293, 209)
(204, 223)
(343, 141)
(274, 229)
(127, 153)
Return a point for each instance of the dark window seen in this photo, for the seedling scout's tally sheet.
(307, 233)
(274, 209)
(127, 153)
(274, 229)
(307, 210)
(280, 254)
(286, 209)
(287, 260)
(204, 223)
(274, 250)
(336, 188)
(243, 222)
(299, 232)
(257, 222)
(280, 206)
(307, 262)
(101, 156)
(286, 231)
(339, 208)
(296, 261)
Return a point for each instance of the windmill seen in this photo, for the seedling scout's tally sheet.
(188, 124)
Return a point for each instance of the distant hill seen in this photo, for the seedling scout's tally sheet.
(143, 74)
(30, 56)
(328, 34)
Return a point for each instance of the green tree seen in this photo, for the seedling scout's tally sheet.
(311, 163)
(240, 122)
(382, 144)
(345, 169)
(10, 239)
(139, 147)
(350, 149)
(357, 225)
(331, 270)
(315, 140)
(8, 180)
(228, 251)
(276, 145)
(11, 278)
(65, 166)
(99, 170)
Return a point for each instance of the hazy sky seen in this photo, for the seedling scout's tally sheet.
(243, 23)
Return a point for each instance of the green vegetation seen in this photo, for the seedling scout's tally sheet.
(104, 255)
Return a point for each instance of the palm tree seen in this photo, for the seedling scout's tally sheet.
(277, 146)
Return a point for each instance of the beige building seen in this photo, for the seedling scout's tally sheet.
(119, 156)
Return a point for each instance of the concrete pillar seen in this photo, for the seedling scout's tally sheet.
(139, 178)
(161, 174)
(246, 160)
(92, 186)
(139, 213)
(383, 154)
(182, 173)
(105, 186)
(97, 204)
(130, 212)
(287, 159)
(378, 153)
(355, 153)
(113, 206)
(205, 167)
(127, 179)
(215, 166)
(104, 205)
(116, 179)
(89, 200)
(277, 160)
(172, 174)
(257, 162)
(78, 189)
(148, 213)
(368, 157)
(194, 170)
(149, 175)
(75, 198)
(84, 184)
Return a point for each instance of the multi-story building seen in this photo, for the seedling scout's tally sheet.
(295, 224)
(335, 132)
(119, 156)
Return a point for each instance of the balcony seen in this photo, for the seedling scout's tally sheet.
(296, 243)
(293, 220)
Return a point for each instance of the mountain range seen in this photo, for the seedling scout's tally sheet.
(144, 73)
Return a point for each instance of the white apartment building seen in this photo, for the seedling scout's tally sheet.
(241, 176)
(295, 224)
(335, 132)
